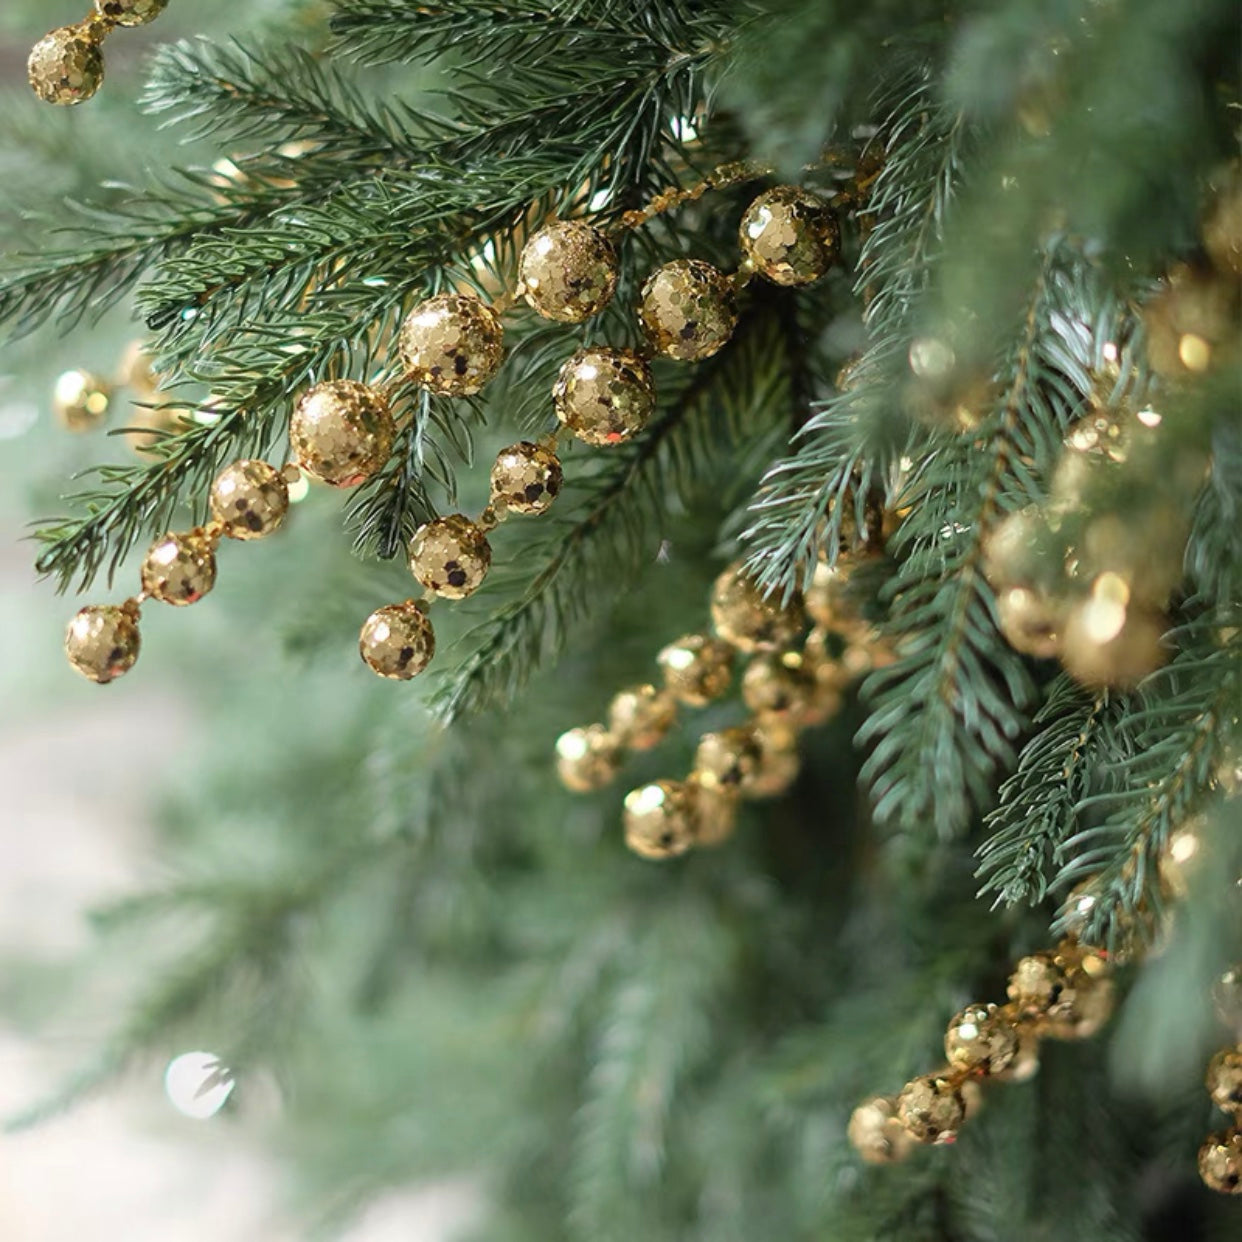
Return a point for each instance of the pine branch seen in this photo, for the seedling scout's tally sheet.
(1214, 549)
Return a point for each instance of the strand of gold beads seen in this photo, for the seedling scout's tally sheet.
(66, 66)
(1220, 1157)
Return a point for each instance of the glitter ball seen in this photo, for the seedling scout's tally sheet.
(687, 309)
(659, 819)
(102, 642)
(744, 617)
(451, 344)
(66, 66)
(568, 271)
(341, 432)
(587, 759)
(179, 569)
(397, 641)
(250, 498)
(697, 668)
(450, 556)
(789, 236)
(130, 12)
(526, 478)
(604, 396)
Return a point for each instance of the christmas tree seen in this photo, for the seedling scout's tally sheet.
(836, 402)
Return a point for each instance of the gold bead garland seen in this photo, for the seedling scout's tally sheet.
(66, 66)
(1220, 1157)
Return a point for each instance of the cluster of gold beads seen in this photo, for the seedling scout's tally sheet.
(1063, 993)
(66, 66)
(249, 499)
(792, 680)
(1220, 1157)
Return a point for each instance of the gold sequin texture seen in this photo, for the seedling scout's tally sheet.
(397, 641)
(779, 684)
(130, 12)
(249, 499)
(875, 1132)
(659, 819)
(931, 1109)
(451, 344)
(1224, 1080)
(604, 396)
(743, 617)
(715, 813)
(568, 271)
(729, 760)
(102, 642)
(80, 401)
(687, 309)
(179, 569)
(1220, 1163)
(640, 716)
(832, 603)
(697, 669)
(66, 66)
(587, 759)
(341, 432)
(789, 236)
(526, 478)
(980, 1039)
(450, 556)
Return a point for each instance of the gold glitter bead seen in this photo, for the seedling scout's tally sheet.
(568, 271)
(526, 478)
(876, 1133)
(1220, 1163)
(745, 618)
(1067, 989)
(130, 12)
(1106, 645)
(640, 716)
(687, 309)
(697, 669)
(789, 236)
(452, 344)
(715, 813)
(341, 432)
(1224, 1080)
(450, 556)
(587, 759)
(80, 401)
(729, 760)
(67, 65)
(980, 1039)
(780, 684)
(659, 819)
(179, 569)
(1030, 621)
(102, 641)
(931, 1109)
(604, 396)
(249, 499)
(397, 641)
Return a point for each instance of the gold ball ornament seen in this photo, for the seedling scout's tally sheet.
(931, 1109)
(249, 499)
(748, 620)
(697, 669)
(729, 760)
(451, 344)
(1220, 1163)
(1224, 1080)
(341, 432)
(687, 309)
(66, 66)
(789, 236)
(102, 641)
(80, 401)
(640, 716)
(715, 813)
(981, 1039)
(587, 759)
(526, 478)
(1106, 644)
(1068, 989)
(130, 12)
(450, 556)
(659, 819)
(179, 569)
(832, 603)
(604, 396)
(1030, 621)
(568, 271)
(876, 1133)
(781, 684)
(397, 641)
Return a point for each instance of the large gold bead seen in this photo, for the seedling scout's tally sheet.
(832, 602)
(587, 759)
(397, 641)
(450, 556)
(687, 309)
(179, 569)
(526, 478)
(1109, 645)
(249, 499)
(931, 1109)
(102, 641)
(789, 236)
(697, 669)
(341, 432)
(876, 1133)
(80, 401)
(659, 819)
(568, 271)
(130, 12)
(1224, 1080)
(981, 1039)
(604, 396)
(729, 760)
(640, 716)
(67, 65)
(1030, 621)
(781, 684)
(744, 617)
(452, 344)
(1220, 1163)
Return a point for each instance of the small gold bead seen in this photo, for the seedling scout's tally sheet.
(102, 641)
(981, 1039)
(66, 66)
(1224, 1080)
(568, 271)
(249, 499)
(931, 1109)
(397, 641)
(640, 716)
(697, 668)
(688, 309)
(450, 556)
(179, 569)
(1220, 1163)
(587, 759)
(451, 344)
(659, 819)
